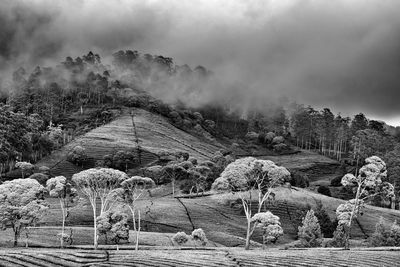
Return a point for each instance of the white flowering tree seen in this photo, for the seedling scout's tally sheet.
(132, 189)
(99, 184)
(60, 188)
(366, 185)
(270, 224)
(247, 175)
(21, 205)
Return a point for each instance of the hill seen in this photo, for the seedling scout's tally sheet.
(219, 215)
(155, 134)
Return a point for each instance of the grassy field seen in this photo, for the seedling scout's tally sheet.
(191, 258)
(223, 223)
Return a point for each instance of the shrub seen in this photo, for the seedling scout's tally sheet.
(280, 147)
(278, 140)
(327, 225)
(251, 136)
(337, 181)
(385, 237)
(324, 190)
(394, 235)
(193, 160)
(269, 137)
(44, 170)
(180, 238)
(199, 235)
(310, 233)
(77, 155)
(299, 179)
(209, 124)
(40, 177)
(339, 236)
(379, 237)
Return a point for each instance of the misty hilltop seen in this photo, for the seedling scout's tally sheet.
(340, 54)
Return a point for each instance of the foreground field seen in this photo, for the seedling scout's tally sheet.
(194, 258)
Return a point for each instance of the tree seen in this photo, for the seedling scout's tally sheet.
(99, 184)
(366, 143)
(379, 237)
(132, 189)
(246, 175)
(392, 160)
(60, 188)
(327, 225)
(114, 226)
(25, 167)
(310, 232)
(77, 155)
(359, 122)
(21, 204)
(366, 185)
(270, 225)
(122, 159)
(173, 171)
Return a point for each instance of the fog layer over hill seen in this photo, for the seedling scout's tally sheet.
(342, 54)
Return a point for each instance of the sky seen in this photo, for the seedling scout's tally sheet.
(342, 54)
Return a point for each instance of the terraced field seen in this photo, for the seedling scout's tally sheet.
(222, 222)
(217, 258)
(155, 134)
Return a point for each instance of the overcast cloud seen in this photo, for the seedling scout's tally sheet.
(341, 54)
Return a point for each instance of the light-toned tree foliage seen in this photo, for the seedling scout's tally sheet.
(99, 184)
(21, 205)
(114, 226)
(246, 175)
(131, 190)
(60, 188)
(366, 185)
(270, 224)
(25, 167)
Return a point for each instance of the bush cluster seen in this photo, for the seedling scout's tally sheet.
(197, 235)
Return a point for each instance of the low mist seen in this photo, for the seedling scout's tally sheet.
(341, 54)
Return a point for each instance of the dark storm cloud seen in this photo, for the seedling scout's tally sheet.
(341, 54)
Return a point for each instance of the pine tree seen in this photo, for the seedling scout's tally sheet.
(310, 233)
(339, 236)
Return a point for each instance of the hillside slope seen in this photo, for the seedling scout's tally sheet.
(155, 134)
(221, 218)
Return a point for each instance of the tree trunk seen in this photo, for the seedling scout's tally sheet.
(347, 242)
(247, 246)
(63, 224)
(16, 235)
(138, 232)
(95, 225)
(26, 237)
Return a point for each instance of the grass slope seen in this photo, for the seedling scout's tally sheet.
(155, 134)
(222, 222)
